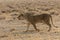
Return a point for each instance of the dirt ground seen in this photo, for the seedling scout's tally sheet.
(13, 29)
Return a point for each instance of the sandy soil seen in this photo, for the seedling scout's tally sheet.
(13, 29)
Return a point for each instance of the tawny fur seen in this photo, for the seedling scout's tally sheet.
(33, 19)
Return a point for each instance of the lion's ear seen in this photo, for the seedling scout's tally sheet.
(21, 14)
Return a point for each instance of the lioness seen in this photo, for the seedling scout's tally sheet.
(33, 19)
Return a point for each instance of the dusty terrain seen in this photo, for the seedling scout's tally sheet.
(13, 29)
